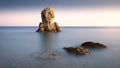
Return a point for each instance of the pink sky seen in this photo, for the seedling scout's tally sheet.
(109, 16)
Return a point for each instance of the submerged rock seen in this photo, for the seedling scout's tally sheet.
(47, 24)
(93, 45)
(77, 50)
(47, 55)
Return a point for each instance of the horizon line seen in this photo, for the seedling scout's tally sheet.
(63, 26)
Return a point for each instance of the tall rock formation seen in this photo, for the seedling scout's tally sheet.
(47, 24)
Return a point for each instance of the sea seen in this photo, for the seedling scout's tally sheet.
(19, 45)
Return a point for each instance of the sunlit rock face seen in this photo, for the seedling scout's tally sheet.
(47, 24)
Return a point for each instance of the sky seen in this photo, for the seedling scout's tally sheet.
(67, 12)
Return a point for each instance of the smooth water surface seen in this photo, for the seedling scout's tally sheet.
(19, 44)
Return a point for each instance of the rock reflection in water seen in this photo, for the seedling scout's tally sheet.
(47, 42)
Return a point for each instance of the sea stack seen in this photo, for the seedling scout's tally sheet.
(47, 24)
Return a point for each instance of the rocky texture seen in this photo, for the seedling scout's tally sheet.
(93, 45)
(47, 24)
(77, 50)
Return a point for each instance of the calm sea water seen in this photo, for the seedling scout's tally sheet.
(19, 44)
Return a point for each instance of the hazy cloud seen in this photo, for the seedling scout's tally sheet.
(58, 3)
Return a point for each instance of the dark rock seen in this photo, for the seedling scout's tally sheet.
(47, 24)
(77, 50)
(93, 45)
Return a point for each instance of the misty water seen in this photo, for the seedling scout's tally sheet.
(18, 45)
